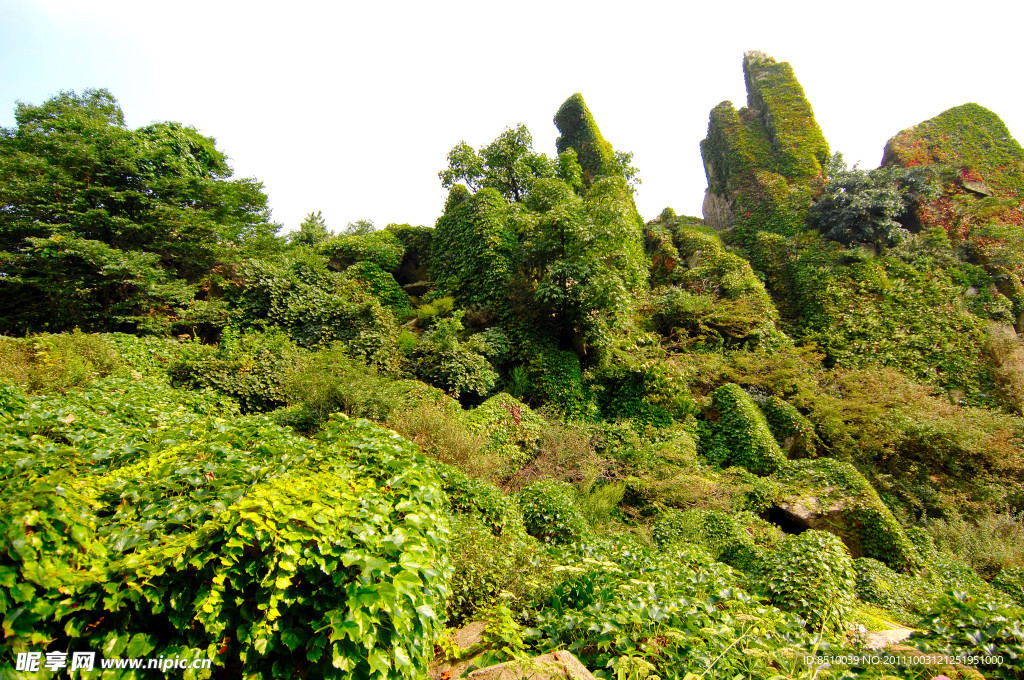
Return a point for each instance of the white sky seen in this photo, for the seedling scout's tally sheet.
(351, 108)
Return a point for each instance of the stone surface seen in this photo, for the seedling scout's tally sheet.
(717, 211)
(556, 665)
(883, 638)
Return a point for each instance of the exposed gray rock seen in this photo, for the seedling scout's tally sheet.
(717, 211)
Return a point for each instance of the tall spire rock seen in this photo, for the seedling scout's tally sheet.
(580, 133)
(763, 162)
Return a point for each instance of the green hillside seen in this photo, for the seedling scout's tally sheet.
(736, 446)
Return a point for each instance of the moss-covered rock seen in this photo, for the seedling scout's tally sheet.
(580, 133)
(979, 199)
(739, 433)
(833, 496)
(763, 162)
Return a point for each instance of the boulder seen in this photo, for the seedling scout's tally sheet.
(556, 665)
(832, 496)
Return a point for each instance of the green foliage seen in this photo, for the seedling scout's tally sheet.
(56, 363)
(382, 248)
(247, 367)
(865, 207)
(765, 159)
(481, 250)
(312, 231)
(811, 574)
(898, 593)
(865, 521)
(315, 306)
(225, 537)
(512, 428)
(551, 513)
(579, 132)
(383, 287)
(628, 608)
(331, 380)
(739, 433)
(105, 227)
(508, 165)
(1011, 582)
(418, 243)
(723, 535)
(558, 380)
(792, 430)
(990, 543)
(960, 625)
(445, 361)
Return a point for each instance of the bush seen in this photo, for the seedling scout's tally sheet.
(513, 428)
(246, 367)
(331, 380)
(225, 537)
(508, 567)
(811, 574)
(898, 593)
(1011, 582)
(56, 363)
(551, 513)
(381, 248)
(993, 542)
(382, 286)
(445, 361)
(725, 536)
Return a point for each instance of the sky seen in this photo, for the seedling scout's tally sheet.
(351, 108)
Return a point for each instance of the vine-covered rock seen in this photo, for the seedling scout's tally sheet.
(833, 496)
(739, 433)
(763, 162)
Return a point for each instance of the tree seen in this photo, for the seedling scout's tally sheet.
(359, 228)
(508, 164)
(312, 231)
(866, 207)
(105, 227)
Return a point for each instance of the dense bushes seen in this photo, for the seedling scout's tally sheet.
(224, 538)
(552, 514)
(811, 574)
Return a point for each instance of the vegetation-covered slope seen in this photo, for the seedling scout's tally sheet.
(688, 448)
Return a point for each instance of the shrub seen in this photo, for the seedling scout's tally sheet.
(225, 537)
(331, 380)
(723, 535)
(445, 361)
(794, 433)
(898, 593)
(508, 567)
(383, 287)
(551, 513)
(558, 380)
(381, 248)
(989, 544)
(1011, 582)
(246, 367)
(56, 363)
(811, 574)
(514, 430)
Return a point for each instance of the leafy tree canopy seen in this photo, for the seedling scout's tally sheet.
(312, 231)
(102, 225)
